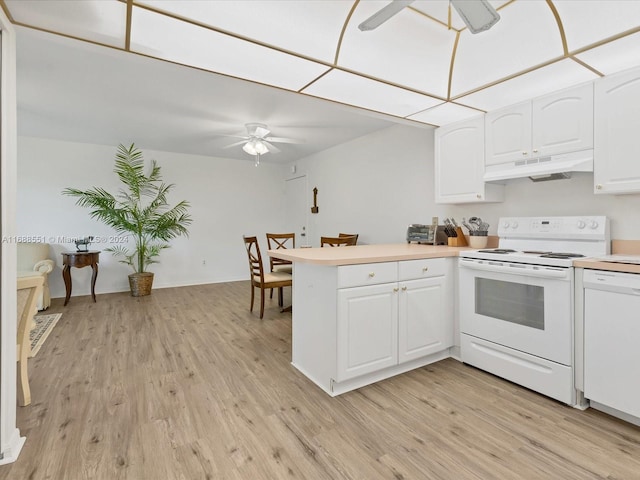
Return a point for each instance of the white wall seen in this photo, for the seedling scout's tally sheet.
(573, 196)
(376, 185)
(229, 198)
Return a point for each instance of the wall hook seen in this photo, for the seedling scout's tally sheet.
(315, 208)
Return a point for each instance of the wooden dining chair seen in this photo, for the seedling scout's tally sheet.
(261, 279)
(276, 241)
(29, 289)
(338, 241)
(349, 235)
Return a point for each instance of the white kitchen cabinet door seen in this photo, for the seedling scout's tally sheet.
(551, 125)
(367, 329)
(459, 164)
(611, 354)
(616, 167)
(508, 134)
(423, 325)
(563, 121)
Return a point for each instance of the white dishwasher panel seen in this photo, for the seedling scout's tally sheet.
(612, 337)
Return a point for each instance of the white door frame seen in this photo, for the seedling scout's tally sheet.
(306, 216)
(10, 441)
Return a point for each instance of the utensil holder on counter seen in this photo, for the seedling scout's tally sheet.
(478, 239)
(459, 241)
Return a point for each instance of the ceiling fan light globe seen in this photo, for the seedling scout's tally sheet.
(261, 148)
(250, 148)
(255, 146)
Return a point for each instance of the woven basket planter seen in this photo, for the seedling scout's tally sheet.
(140, 284)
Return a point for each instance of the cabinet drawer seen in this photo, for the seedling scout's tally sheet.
(369, 274)
(413, 269)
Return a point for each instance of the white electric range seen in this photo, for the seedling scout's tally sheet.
(516, 301)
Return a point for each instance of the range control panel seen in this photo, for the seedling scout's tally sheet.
(587, 227)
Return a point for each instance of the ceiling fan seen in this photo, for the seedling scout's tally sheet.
(258, 142)
(478, 15)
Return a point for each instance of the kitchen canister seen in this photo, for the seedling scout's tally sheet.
(478, 239)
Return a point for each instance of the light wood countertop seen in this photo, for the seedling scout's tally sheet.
(360, 254)
(365, 253)
(597, 264)
(624, 248)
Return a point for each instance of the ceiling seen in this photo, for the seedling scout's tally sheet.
(278, 62)
(79, 92)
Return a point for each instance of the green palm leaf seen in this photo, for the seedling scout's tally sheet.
(140, 209)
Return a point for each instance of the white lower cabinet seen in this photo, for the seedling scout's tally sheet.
(384, 325)
(423, 326)
(611, 354)
(367, 329)
(354, 325)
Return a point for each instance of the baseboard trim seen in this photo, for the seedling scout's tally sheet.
(13, 448)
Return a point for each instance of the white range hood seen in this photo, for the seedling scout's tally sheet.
(542, 168)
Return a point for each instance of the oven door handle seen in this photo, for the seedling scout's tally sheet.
(515, 268)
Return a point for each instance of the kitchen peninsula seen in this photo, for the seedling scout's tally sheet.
(365, 313)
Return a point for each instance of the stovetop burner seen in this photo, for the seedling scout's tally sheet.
(562, 255)
(539, 253)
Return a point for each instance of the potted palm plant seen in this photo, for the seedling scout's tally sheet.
(139, 209)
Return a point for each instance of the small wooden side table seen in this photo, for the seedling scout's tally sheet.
(79, 260)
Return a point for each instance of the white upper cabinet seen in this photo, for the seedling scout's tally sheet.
(616, 166)
(459, 164)
(554, 124)
(508, 134)
(563, 121)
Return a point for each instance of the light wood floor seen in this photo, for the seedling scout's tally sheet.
(187, 384)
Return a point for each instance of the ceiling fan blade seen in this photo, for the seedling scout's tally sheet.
(230, 135)
(478, 16)
(252, 128)
(235, 144)
(261, 132)
(384, 14)
(282, 140)
(272, 148)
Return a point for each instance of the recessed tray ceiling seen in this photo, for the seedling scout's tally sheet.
(418, 59)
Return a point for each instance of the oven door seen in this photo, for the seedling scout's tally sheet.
(524, 307)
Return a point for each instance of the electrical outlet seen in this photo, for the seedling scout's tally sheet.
(204, 263)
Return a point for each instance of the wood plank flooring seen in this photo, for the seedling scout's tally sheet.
(188, 384)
